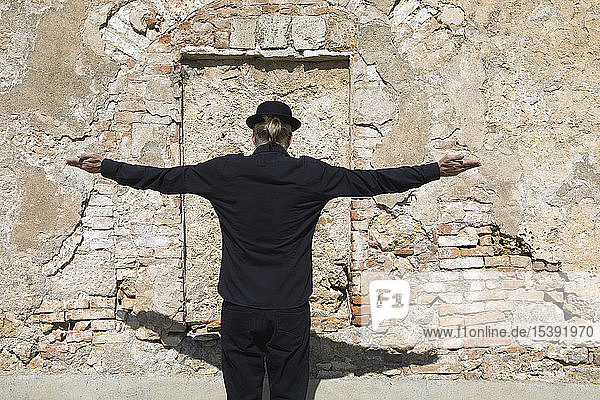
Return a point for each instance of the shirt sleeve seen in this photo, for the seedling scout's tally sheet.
(197, 179)
(336, 181)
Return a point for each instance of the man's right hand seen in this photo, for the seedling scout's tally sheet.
(454, 165)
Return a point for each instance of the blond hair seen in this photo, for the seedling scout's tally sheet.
(272, 130)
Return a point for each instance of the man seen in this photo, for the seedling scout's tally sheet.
(268, 206)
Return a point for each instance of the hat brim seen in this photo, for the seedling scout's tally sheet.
(253, 119)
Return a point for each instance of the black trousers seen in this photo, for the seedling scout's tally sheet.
(249, 336)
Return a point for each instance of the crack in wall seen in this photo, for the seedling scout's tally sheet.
(68, 247)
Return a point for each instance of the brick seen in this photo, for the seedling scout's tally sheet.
(92, 313)
(404, 252)
(221, 39)
(355, 216)
(359, 225)
(526, 295)
(484, 295)
(496, 261)
(106, 325)
(454, 263)
(53, 347)
(464, 308)
(483, 230)
(484, 318)
(360, 320)
(128, 116)
(449, 229)
(512, 284)
(73, 304)
(520, 261)
(451, 297)
(436, 368)
(102, 302)
(433, 287)
(58, 316)
(538, 265)
(360, 203)
(78, 336)
(486, 240)
(499, 305)
(110, 337)
(458, 240)
(451, 320)
(449, 252)
(81, 325)
(477, 251)
(477, 285)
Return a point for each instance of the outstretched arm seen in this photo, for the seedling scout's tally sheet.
(198, 179)
(336, 181)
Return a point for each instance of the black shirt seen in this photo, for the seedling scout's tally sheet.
(268, 204)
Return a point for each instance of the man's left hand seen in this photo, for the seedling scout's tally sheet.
(89, 162)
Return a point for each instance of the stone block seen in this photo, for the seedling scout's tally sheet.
(273, 31)
(243, 33)
(308, 32)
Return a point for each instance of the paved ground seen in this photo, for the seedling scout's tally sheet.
(63, 387)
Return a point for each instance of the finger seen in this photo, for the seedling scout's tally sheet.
(454, 157)
(471, 164)
(72, 161)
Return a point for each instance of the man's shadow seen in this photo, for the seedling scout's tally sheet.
(325, 353)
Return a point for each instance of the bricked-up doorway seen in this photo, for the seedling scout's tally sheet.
(218, 95)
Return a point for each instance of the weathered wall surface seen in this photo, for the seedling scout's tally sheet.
(93, 274)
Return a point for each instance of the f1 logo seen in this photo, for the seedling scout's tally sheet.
(388, 299)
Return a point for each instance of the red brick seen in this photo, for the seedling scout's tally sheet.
(477, 251)
(360, 203)
(404, 252)
(354, 216)
(448, 229)
(163, 69)
(270, 8)
(92, 313)
(58, 316)
(79, 336)
(73, 304)
(357, 265)
(52, 347)
(166, 38)
(449, 252)
(128, 116)
(102, 302)
(360, 320)
(495, 261)
(486, 240)
(484, 230)
(222, 39)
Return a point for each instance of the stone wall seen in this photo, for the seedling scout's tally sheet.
(98, 277)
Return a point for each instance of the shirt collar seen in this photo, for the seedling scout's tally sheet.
(270, 147)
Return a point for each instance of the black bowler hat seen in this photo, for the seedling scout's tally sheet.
(275, 109)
